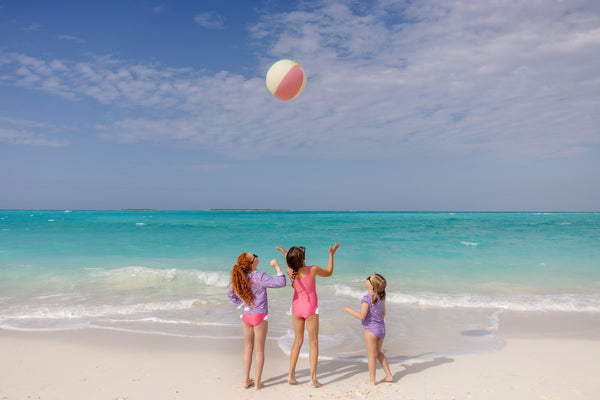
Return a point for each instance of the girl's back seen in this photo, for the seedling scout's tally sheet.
(305, 302)
(375, 314)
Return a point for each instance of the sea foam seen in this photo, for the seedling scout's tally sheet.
(525, 302)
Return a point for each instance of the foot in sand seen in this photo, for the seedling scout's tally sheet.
(316, 384)
(259, 386)
(249, 384)
(387, 379)
(292, 381)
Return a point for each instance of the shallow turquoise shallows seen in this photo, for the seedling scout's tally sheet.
(167, 271)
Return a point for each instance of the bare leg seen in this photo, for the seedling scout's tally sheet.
(312, 327)
(298, 324)
(371, 343)
(384, 363)
(248, 348)
(261, 335)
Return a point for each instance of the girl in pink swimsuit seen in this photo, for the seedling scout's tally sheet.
(248, 289)
(305, 310)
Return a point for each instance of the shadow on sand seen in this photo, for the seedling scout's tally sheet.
(332, 371)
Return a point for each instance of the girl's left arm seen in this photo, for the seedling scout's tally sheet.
(364, 309)
(268, 281)
(234, 299)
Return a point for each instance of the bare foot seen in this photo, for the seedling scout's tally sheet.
(292, 381)
(370, 383)
(316, 384)
(259, 386)
(249, 384)
(387, 379)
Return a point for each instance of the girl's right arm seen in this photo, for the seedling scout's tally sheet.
(364, 309)
(282, 250)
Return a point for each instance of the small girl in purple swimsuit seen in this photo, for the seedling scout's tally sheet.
(372, 312)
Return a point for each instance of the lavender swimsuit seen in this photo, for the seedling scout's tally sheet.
(373, 321)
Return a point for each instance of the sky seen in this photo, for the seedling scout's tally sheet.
(432, 105)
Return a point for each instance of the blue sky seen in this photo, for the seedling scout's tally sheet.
(427, 105)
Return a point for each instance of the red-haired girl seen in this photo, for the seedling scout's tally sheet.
(248, 289)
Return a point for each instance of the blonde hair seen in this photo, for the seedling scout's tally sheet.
(379, 283)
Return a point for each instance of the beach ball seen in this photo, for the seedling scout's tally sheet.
(286, 79)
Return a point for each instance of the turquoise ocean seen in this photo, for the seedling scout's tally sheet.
(450, 276)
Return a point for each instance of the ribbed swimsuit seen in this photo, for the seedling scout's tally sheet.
(305, 302)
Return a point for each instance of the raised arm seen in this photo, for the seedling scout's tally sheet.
(282, 250)
(327, 272)
(364, 309)
(275, 265)
(273, 282)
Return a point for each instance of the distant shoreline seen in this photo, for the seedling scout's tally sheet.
(248, 209)
(300, 211)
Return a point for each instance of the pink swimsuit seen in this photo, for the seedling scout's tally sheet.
(305, 302)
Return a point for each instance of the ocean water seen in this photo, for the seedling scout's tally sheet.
(450, 275)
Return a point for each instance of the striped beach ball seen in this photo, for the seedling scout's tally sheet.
(286, 79)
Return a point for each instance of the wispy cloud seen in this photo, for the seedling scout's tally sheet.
(33, 27)
(515, 79)
(205, 167)
(159, 10)
(21, 132)
(71, 38)
(210, 20)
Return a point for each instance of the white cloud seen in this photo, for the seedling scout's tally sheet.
(210, 20)
(24, 137)
(22, 132)
(33, 27)
(21, 122)
(71, 38)
(509, 78)
(205, 167)
(159, 10)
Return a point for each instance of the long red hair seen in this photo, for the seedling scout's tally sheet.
(240, 281)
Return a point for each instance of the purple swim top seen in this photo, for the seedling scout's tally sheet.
(259, 281)
(373, 321)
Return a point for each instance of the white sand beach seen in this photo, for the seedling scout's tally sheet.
(92, 364)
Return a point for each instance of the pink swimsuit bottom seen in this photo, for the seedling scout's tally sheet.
(254, 319)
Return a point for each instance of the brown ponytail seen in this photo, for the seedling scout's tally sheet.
(239, 279)
(295, 260)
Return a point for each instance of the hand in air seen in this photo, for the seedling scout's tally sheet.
(275, 265)
(334, 248)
